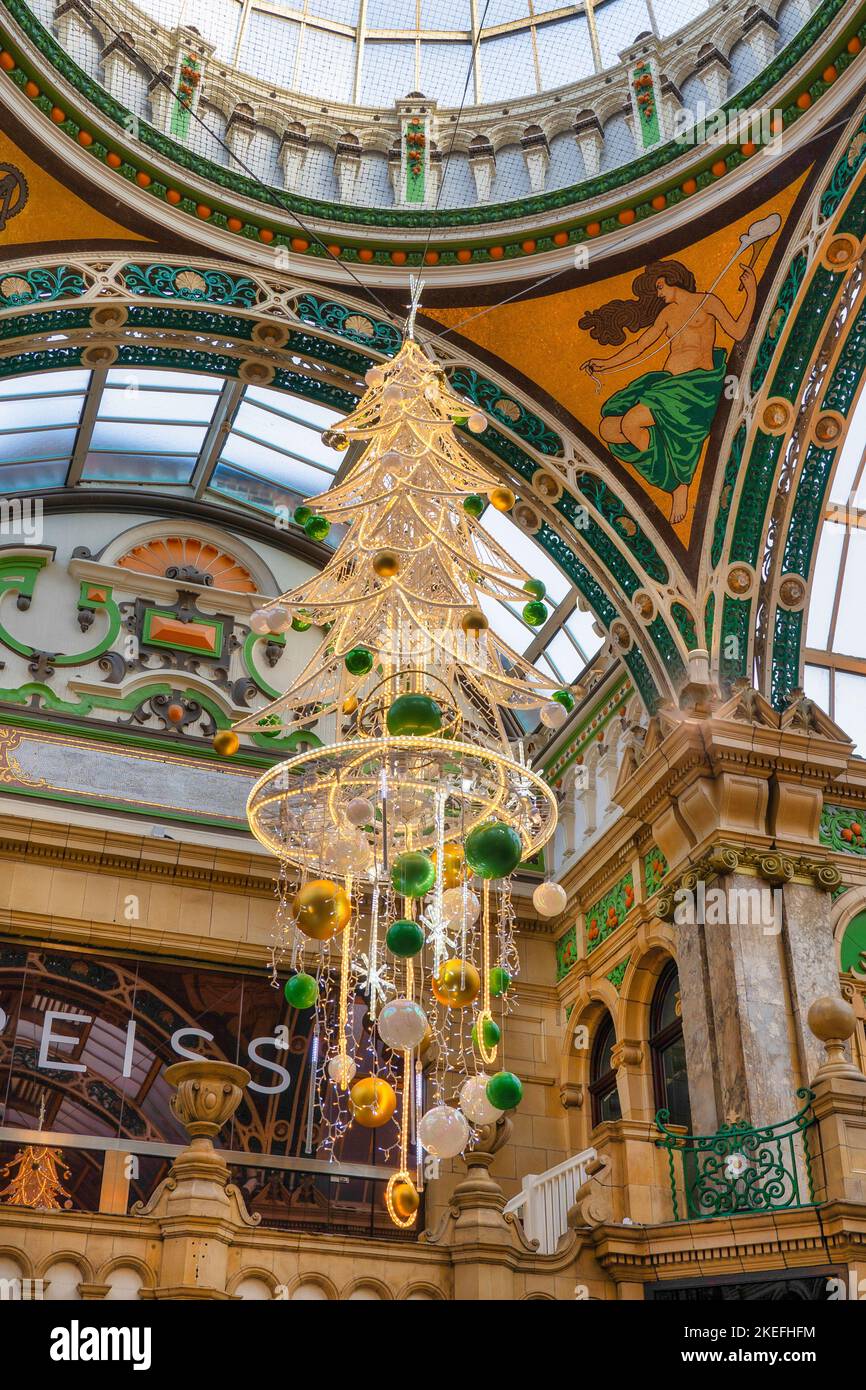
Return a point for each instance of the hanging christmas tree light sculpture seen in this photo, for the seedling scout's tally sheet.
(407, 809)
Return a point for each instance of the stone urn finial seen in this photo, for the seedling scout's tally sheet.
(833, 1021)
(208, 1094)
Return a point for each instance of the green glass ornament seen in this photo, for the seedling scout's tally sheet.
(413, 874)
(536, 587)
(302, 515)
(359, 661)
(493, 850)
(317, 527)
(404, 938)
(473, 504)
(564, 698)
(300, 624)
(535, 613)
(492, 1034)
(499, 981)
(418, 715)
(504, 1090)
(302, 991)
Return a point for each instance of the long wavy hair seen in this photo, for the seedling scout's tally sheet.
(609, 324)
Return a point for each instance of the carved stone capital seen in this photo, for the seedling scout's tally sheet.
(208, 1094)
(626, 1053)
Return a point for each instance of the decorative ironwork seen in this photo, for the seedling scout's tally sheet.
(490, 398)
(741, 1168)
(188, 282)
(349, 323)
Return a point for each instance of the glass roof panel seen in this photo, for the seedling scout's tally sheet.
(154, 428)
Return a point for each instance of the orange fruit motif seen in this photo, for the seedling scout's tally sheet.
(58, 115)
(7, 62)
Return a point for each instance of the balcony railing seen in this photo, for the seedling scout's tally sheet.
(741, 1168)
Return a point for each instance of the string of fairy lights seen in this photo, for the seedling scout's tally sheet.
(404, 810)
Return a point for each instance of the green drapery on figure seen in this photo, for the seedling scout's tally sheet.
(683, 408)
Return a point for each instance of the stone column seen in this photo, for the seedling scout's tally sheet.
(198, 1207)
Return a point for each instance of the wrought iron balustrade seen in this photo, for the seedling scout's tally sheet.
(742, 1167)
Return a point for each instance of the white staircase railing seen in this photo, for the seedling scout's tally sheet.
(544, 1199)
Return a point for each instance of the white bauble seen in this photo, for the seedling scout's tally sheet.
(347, 855)
(402, 1024)
(279, 620)
(374, 377)
(260, 621)
(443, 1131)
(341, 1070)
(549, 899)
(459, 905)
(477, 422)
(474, 1103)
(360, 811)
(393, 392)
(553, 714)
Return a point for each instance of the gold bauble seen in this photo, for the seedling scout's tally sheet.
(321, 908)
(453, 865)
(502, 498)
(405, 1199)
(474, 621)
(350, 704)
(372, 1102)
(226, 742)
(456, 983)
(386, 563)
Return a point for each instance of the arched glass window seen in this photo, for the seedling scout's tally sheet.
(670, 1081)
(602, 1076)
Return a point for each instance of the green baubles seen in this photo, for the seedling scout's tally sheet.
(317, 527)
(302, 515)
(564, 698)
(493, 850)
(473, 504)
(535, 613)
(359, 661)
(300, 623)
(404, 938)
(302, 991)
(412, 874)
(418, 715)
(504, 1090)
(536, 587)
(491, 1033)
(499, 981)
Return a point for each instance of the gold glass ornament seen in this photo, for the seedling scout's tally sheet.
(474, 621)
(372, 1102)
(350, 704)
(386, 563)
(456, 983)
(502, 498)
(226, 742)
(453, 865)
(321, 909)
(404, 1196)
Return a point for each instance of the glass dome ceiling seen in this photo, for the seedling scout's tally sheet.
(371, 52)
(251, 448)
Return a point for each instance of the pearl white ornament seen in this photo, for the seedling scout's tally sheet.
(360, 811)
(474, 1103)
(458, 903)
(374, 377)
(402, 1023)
(392, 392)
(553, 714)
(549, 899)
(341, 1070)
(260, 622)
(443, 1131)
(279, 619)
(477, 422)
